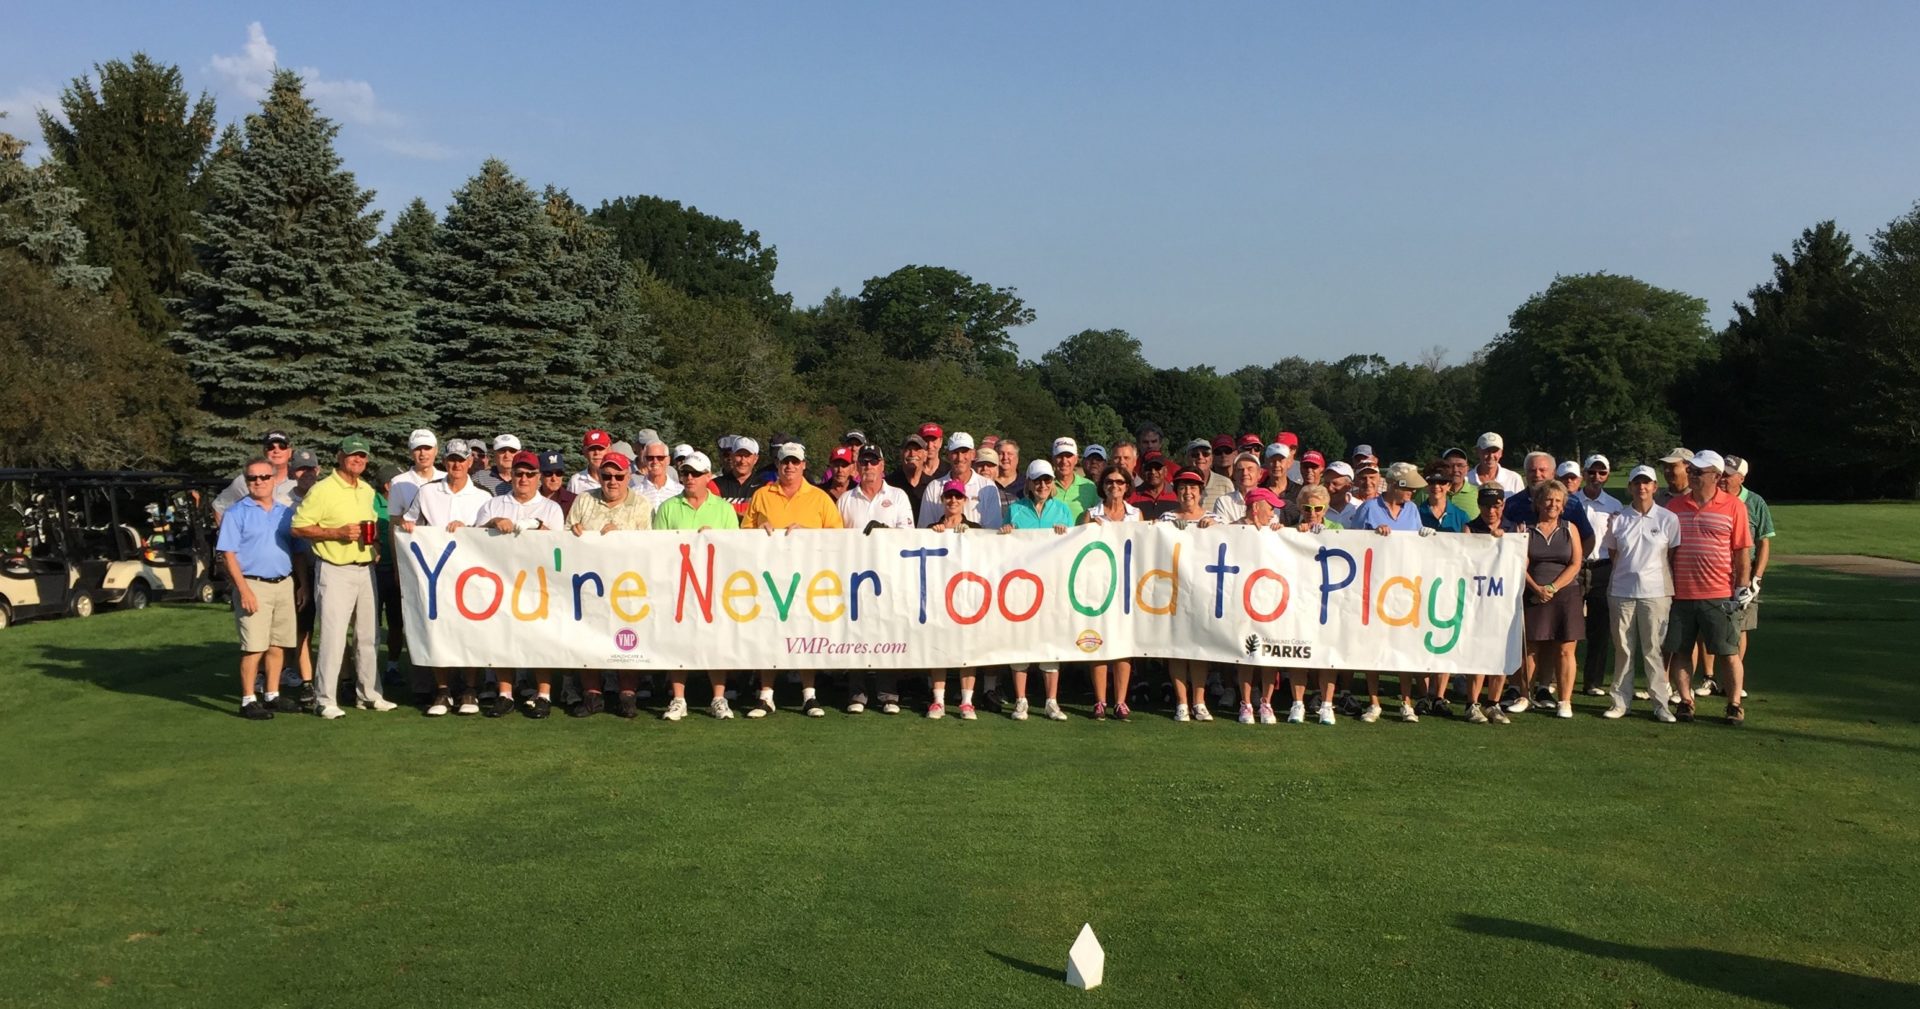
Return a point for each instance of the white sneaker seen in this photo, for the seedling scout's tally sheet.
(1705, 689)
(1641, 695)
(1407, 713)
(1201, 714)
(437, 708)
(720, 708)
(1267, 716)
(1054, 714)
(1326, 713)
(1476, 715)
(1020, 710)
(331, 712)
(1246, 714)
(1180, 714)
(1296, 712)
(1519, 707)
(1616, 711)
(1565, 710)
(1372, 714)
(469, 708)
(890, 708)
(936, 710)
(857, 705)
(377, 704)
(1664, 715)
(676, 710)
(1596, 691)
(1497, 716)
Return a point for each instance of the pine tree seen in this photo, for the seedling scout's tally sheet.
(505, 333)
(292, 322)
(624, 386)
(134, 149)
(37, 217)
(409, 244)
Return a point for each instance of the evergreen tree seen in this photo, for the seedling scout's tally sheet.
(624, 386)
(134, 149)
(1886, 361)
(505, 333)
(37, 217)
(292, 322)
(409, 244)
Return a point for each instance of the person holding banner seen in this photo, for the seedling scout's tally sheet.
(1154, 494)
(1040, 509)
(1555, 621)
(871, 504)
(1114, 485)
(1311, 500)
(523, 509)
(610, 506)
(953, 519)
(450, 503)
(1189, 675)
(1392, 510)
(1262, 507)
(790, 503)
(1491, 521)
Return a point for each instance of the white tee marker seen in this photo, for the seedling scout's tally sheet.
(1086, 961)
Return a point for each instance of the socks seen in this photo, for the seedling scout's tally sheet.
(766, 694)
(546, 696)
(807, 694)
(249, 699)
(272, 696)
(966, 696)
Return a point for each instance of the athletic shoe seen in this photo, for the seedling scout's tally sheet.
(1372, 714)
(1422, 707)
(857, 705)
(1326, 713)
(440, 706)
(1267, 716)
(967, 714)
(676, 710)
(1099, 711)
(1407, 714)
(1442, 708)
(1664, 716)
(502, 705)
(540, 707)
(627, 705)
(936, 710)
(469, 705)
(1735, 715)
(307, 697)
(1246, 714)
(590, 705)
(1122, 712)
(1020, 710)
(1519, 706)
(1201, 714)
(719, 708)
(331, 712)
(1596, 691)
(1685, 714)
(253, 711)
(889, 704)
(286, 704)
(1349, 705)
(992, 702)
(1296, 712)
(812, 708)
(1544, 695)
(760, 709)
(1054, 714)
(1641, 695)
(376, 704)
(1707, 688)
(1180, 713)
(1565, 710)
(1615, 710)
(1475, 716)
(1497, 716)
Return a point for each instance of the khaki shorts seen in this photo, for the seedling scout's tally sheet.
(1706, 621)
(1750, 617)
(271, 624)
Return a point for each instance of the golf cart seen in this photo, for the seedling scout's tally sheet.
(42, 573)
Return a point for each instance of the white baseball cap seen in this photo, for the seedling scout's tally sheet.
(457, 448)
(1568, 468)
(1491, 439)
(1708, 459)
(745, 444)
(647, 436)
(1041, 468)
(1605, 464)
(681, 451)
(1340, 466)
(1278, 448)
(422, 438)
(791, 450)
(1641, 473)
(697, 462)
(1064, 446)
(959, 440)
(1096, 452)
(1737, 464)
(506, 441)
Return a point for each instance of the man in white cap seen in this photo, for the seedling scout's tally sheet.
(873, 503)
(594, 445)
(1760, 525)
(1601, 507)
(1489, 471)
(522, 509)
(452, 502)
(983, 495)
(1070, 488)
(1712, 575)
(423, 448)
(499, 479)
(739, 478)
(1341, 504)
(1640, 539)
(1674, 464)
(1568, 473)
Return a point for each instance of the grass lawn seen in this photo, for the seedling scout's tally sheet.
(160, 851)
(1880, 529)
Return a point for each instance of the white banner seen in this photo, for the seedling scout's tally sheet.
(834, 599)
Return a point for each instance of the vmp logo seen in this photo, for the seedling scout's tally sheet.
(625, 640)
(1258, 647)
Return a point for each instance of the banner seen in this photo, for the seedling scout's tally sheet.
(897, 599)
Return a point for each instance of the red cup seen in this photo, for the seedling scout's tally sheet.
(368, 532)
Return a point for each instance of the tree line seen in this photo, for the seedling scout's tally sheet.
(168, 287)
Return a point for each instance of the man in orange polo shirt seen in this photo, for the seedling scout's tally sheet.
(1710, 582)
(790, 502)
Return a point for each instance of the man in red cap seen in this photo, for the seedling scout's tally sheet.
(931, 468)
(1154, 497)
(595, 444)
(1292, 442)
(1310, 469)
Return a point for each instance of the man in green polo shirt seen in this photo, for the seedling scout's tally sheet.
(1070, 488)
(334, 517)
(1465, 496)
(696, 506)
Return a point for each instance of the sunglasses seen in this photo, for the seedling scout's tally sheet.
(1041, 479)
(278, 446)
(653, 458)
(525, 474)
(793, 462)
(1113, 483)
(687, 475)
(258, 477)
(612, 475)
(1313, 508)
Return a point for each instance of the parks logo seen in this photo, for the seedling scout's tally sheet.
(1257, 647)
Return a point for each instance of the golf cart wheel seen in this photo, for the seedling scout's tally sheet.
(82, 604)
(6, 616)
(206, 593)
(137, 596)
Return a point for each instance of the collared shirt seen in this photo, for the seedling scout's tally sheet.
(438, 505)
(1152, 506)
(1520, 510)
(738, 493)
(983, 503)
(1759, 518)
(400, 493)
(1217, 487)
(490, 482)
(1638, 545)
(261, 538)
(809, 508)
(523, 514)
(1023, 514)
(1097, 515)
(889, 508)
(1374, 513)
(236, 492)
(1508, 480)
(335, 502)
(584, 481)
(1078, 496)
(1233, 508)
(1347, 514)
(1450, 520)
(654, 495)
(912, 483)
(1467, 499)
(679, 513)
(592, 513)
(1710, 533)
(1601, 511)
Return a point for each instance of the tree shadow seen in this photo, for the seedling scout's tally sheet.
(201, 675)
(1777, 982)
(1031, 968)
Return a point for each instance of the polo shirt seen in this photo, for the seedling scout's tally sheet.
(678, 513)
(259, 538)
(1097, 515)
(809, 508)
(889, 508)
(1373, 513)
(334, 502)
(1348, 514)
(1709, 534)
(1759, 518)
(983, 504)
(401, 491)
(654, 495)
(438, 505)
(736, 492)
(1601, 511)
(1217, 487)
(1508, 480)
(583, 481)
(522, 513)
(1638, 545)
(592, 513)
(1467, 499)
(236, 492)
(1078, 496)
(1452, 520)
(1153, 506)
(1023, 515)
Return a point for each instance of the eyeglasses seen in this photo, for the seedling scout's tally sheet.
(612, 476)
(524, 474)
(653, 458)
(258, 477)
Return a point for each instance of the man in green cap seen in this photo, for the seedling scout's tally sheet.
(336, 517)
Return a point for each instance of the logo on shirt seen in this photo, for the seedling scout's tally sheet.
(625, 640)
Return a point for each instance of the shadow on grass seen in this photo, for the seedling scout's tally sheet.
(182, 673)
(1776, 982)
(1032, 968)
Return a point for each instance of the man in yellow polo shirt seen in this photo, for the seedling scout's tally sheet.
(337, 518)
(790, 502)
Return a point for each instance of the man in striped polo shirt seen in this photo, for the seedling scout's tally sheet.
(1710, 582)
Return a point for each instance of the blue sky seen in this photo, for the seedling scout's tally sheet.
(1232, 183)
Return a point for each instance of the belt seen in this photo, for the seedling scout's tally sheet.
(269, 581)
(345, 564)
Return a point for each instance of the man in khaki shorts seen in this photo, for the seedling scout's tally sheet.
(256, 544)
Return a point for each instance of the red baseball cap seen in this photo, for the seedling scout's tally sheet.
(1313, 458)
(1153, 456)
(530, 460)
(843, 454)
(1189, 476)
(617, 460)
(1223, 441)
(932, 433)
(596, 437)
(1252, 441)
(1289, 439)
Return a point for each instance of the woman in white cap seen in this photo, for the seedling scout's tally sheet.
(1114, 486)
(953, 519)
(1039, 509)
(1189, 675)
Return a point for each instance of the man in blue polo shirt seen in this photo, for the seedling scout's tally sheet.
(256, 544)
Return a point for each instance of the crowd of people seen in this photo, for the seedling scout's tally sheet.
(1660, 585)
